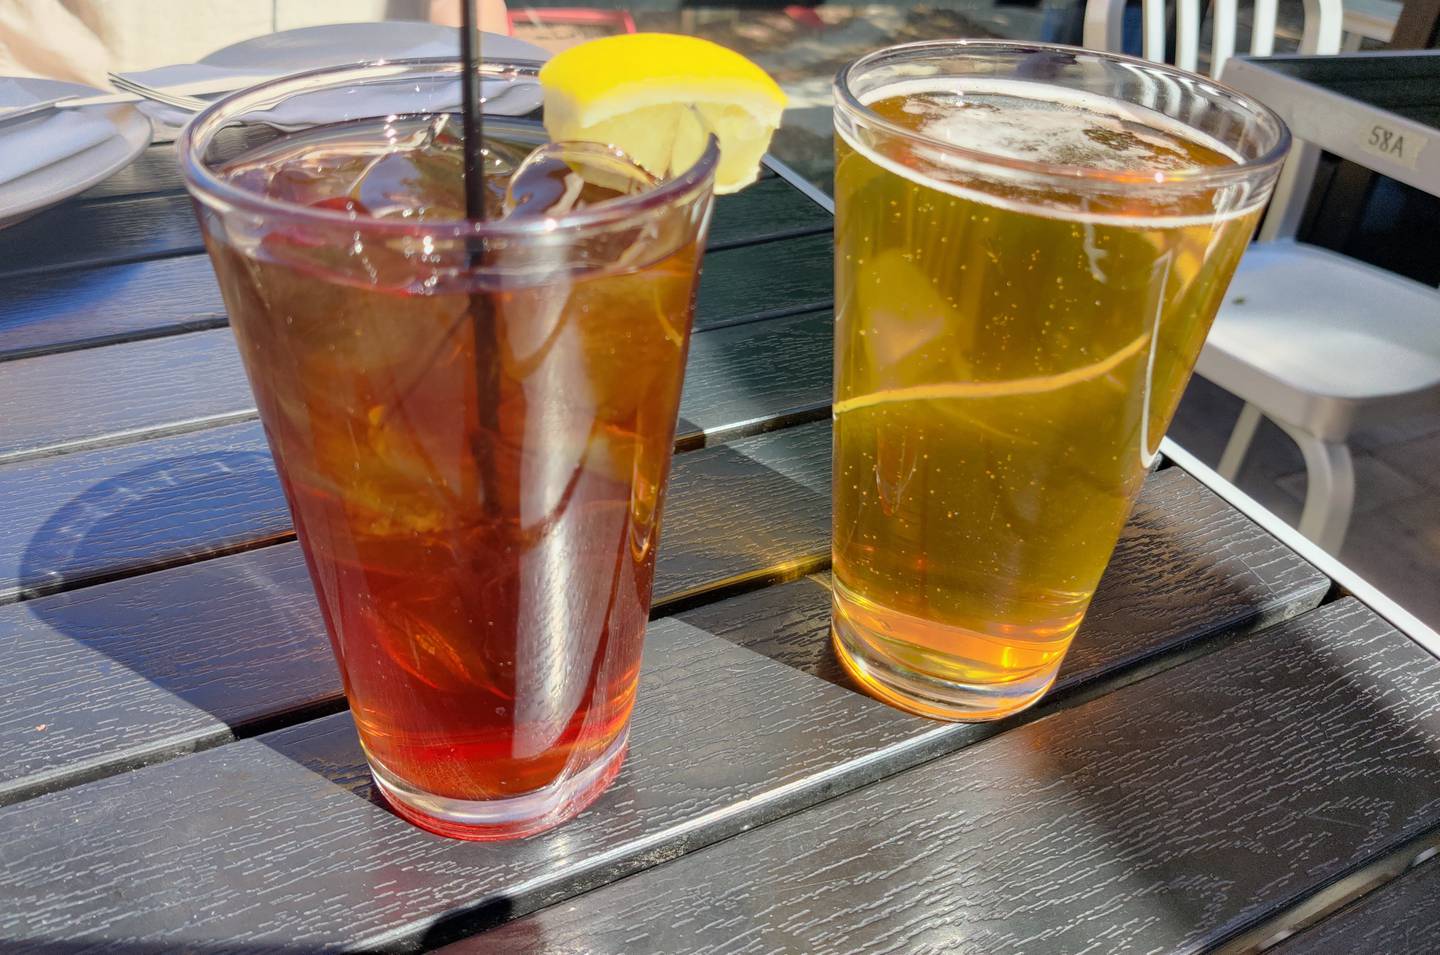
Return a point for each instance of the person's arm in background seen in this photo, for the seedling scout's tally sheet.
(81, 40)
(492, 14)
(43, 38)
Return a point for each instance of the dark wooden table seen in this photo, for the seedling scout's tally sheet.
(1237, 747)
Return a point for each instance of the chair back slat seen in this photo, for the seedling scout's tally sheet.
(1323, 26)
(1104, 29)
(1187, 34)
(1262, 34)
(1104, 25)
(1222, 40)
(1153, 26)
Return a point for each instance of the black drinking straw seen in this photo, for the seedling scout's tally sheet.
(474, 124)
(482, 318)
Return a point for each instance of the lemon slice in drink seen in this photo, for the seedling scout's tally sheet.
(656, 96)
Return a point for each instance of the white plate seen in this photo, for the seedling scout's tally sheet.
(310, 48)
(34, 191)
(337, 44)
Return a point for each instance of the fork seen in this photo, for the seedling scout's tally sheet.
(190, 104)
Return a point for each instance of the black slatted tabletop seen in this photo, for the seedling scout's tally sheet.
(1234, 739)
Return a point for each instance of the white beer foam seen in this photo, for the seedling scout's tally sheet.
(1050, 130)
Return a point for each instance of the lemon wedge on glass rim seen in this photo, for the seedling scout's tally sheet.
(656, 96)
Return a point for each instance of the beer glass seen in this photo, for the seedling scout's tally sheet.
(1031, 244)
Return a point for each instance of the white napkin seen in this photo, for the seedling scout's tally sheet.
(33, 145)
(502, 97)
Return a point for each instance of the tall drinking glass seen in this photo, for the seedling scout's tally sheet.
(472, 420)
(1031, 243)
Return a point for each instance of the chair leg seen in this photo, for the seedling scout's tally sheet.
(1329, 489)
(1240, 437)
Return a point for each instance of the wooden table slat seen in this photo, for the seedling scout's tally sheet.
(104, 511)
(725, 738)
(236, 825)
(163, 383)
(51, 308)
(736, 374)
(47, 312)
(1162, 816)
(56, 403)
(169, 661)
(146, 300)
(1399, 918)
(93, 233)
(154, 171)
(175, 659)
(84, 234)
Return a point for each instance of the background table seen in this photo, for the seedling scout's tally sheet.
(1236, 746)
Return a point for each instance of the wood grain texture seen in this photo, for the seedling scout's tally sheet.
(741, 379)
(766, 210)
(162, 224)
(154, 171)
(101, 511)
(1157, 818)
(107, 511)
(1187, 566)
(1399, 918)
(279, 839)
(57, 401)
(97, 306)
(768, 278)
(166, 661)
(736, 377)
(100, 233)
(88, 307)
(142, 668)
(64, 291)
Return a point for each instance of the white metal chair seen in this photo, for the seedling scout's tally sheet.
(1315, 341)
(1370, 19)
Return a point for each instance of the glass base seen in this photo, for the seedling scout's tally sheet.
(928, 696)
(491, 820)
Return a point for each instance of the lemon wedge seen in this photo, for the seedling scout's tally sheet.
(657, 95)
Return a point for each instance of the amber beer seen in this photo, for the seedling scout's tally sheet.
(1025, 274)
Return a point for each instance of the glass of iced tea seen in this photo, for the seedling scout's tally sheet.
(1031, 243)
(472, 420)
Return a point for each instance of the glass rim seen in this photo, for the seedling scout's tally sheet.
(205, 184)
(846, 101)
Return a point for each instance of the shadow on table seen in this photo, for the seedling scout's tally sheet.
(173, 511)
(36, 313)
(1170, 584)
(1169, 815)
(1183, 880)
(240, 637)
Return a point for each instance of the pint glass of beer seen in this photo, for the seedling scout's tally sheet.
(1031, 243)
